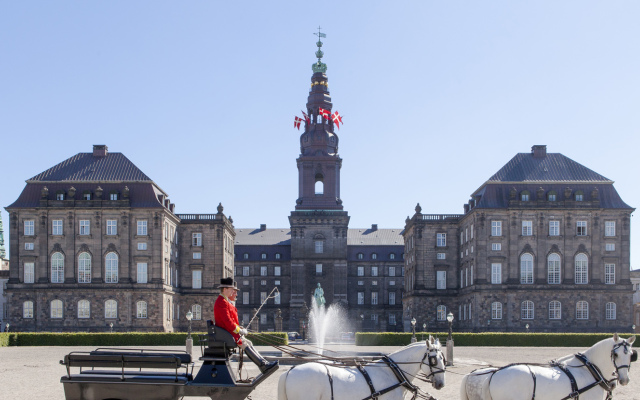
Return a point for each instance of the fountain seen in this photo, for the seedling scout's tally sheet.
(325, 320)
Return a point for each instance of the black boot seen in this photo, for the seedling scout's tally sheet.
(258, 360)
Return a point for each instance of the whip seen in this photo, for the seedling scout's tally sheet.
(275, 289)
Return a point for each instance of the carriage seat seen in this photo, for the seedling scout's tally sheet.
(218, 334)
(185, 358)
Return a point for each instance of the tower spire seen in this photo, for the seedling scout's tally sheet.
(319, 66)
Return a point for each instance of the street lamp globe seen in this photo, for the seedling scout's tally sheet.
(413, 322)
(450, 317)
(189, 316)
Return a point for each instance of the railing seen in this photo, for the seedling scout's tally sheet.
(442, 217)
(196, 217)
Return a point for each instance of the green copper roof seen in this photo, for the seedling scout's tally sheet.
(319, 66)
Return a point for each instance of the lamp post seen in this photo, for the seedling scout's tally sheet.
(413, 328)
(424, 329)
(189, 344)
(7, 326)
(527, 327)
(488, 324)
(111, 327)
(633, 328)
(450, 340)
(362, 322)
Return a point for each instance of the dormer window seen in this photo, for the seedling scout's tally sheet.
(113, 196)
(392, 256)
(524, 195)
(263, 256)
(579, 195)
(360, 256)
(552, 196)
(374, 256)
(60, 196)
(86, 195)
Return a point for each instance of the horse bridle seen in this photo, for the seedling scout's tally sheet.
(432, 362)
(625, 345)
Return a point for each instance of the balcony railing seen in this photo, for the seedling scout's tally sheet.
(442, 217)
(196, 217)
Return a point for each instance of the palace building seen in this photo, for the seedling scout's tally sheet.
(96, 245)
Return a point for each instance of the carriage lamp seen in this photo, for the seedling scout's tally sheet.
(111, 327)
(527, 326)
(450, 319)
(189, 317)
(413, 328)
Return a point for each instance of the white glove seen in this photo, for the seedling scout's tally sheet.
(243, 332)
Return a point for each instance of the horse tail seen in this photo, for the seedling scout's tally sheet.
(282, 386)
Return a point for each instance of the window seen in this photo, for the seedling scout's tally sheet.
(609, 274)
(113, 196)
(263, 319)
(392, 256)
(29, 272)
(554, 228)
(57, 268)
(496, 228)
(496, 310)
(86, 195)
(27, 309)
(28, 228)
(318, 269)
(527, 228)
(111, 268)
(360, 283)
(392, 298)
(141, 309)
(56, 227)
(374, 256)
(319, 246)
(610, 246)
(553, 268)
(277, 270)
(552, 196)
(526, 268)
(441, 313)
(196, 311)
(582, 269)
(276, 298)
(441, 239)
(609, 228)
(60, 196)
(526, 310)
(555, 310)
(197, 240)
(582, 310)
(112, 227)
(263, 297)
(245, 297)
(360, 256)
(360, 271)
(374, 298)
(579, 195)
(263, 256)
(496, 273)
(374, 271)
(84, 309)
(610, 310)
(360, 298)
(56, 309)
(263, 270)
(197, 255)
(84, 268)
(196, 279)
(142, 273)
(375, 283)
(142, 227)
(392, 271)
(142, 246)
(496, 246)
(263, 282)
(581, 228)
(441, 256)
(85, 227)
(524, 196)
(245, 256)
(471, 231)
(28, 246)
(392, 319)
(278, 256)
(441, 279)
(245, 271)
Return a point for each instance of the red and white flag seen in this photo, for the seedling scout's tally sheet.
(324, 113)
(306, 117)
(337, 119)
(296, 123)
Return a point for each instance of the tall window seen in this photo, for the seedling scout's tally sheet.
(263, 297)
(29, 273)
(392, 271)
(319, 246)
(56, 309)
(496, 273)
(609, 274)
(245, 297)
(263, 271)
(111, 309)
(392, 319)
(319, 269)
(111, 268)
(441, 279)
(582, 310)
(360, 271)
(84, 268)
(554, 228)
(84, 310)
(374, 271)
(392, 256)
(582, 269)
(526, 268)
(196, 310)
(609, 228)
(555, 310)
(142, 227)
(360, 298)
(610, 310)
(196, 239)
(496, 310)
(28, 227)
(277, 270)
(85, 227)
(496, 228)
(141, 309)
(441, 239)
(56, 227)
(441, 313)
(245, 271)
(27, 309)
(374, 298)
(112, 227)
(527, 228)
(392, 298)
(196, 279)
(581, 228)
(57, 268)
(276, 298)
(553, 268)
(526, 311)
(142, 273)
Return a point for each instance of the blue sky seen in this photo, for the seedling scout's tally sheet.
(436, 96)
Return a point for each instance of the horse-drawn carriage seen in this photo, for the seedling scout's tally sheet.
(108, 373)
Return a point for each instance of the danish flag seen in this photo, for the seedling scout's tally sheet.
(337, 119)
(296, 123)
(324, 113)
(306, 117)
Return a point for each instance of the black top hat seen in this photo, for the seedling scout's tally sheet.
(228, 282)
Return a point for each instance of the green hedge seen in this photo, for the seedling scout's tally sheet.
(121, 339)
(487, 339)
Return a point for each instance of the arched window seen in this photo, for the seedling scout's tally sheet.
(360, 256)
(610, 310)
(442, 313)
(111, 309)
(196, 310)
(524, 195)
(552, 195)
(374, 256)
(111, 268)
(319, 184)
(56, 309)
(57, 268)
(582, 310)
(84, 268)
(526, 310)
(579, 195)
(141, 309)
(553, 268)
(392, 256)
(84, 309)
(555, 310)
(582, 269)
(496, 310)
(526, 268)
(27, 309)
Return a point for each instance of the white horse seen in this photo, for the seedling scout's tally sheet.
(322, 381)
(594, 372)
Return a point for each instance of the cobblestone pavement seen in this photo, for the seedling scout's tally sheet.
(34, 372)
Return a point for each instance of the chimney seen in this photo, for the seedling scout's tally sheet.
(100, 150)
(539, 151)
(263, 227)
(374, 227)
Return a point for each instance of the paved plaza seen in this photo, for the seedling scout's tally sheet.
(34, 372)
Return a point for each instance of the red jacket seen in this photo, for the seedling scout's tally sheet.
(225, 316)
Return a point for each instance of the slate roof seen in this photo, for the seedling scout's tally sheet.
(114, 167)
(355, 237)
